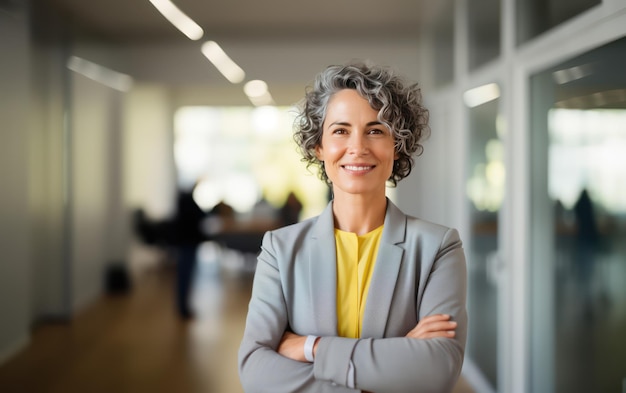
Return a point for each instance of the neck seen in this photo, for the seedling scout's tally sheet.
(359, 214)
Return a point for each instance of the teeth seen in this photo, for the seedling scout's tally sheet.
(357, 168)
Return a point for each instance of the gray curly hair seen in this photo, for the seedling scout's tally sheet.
(399, 107)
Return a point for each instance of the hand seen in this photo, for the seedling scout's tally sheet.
(438, 325)
(292, 346)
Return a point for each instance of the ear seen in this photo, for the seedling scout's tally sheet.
(319, 152)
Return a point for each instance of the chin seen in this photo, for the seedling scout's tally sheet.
(358, 190)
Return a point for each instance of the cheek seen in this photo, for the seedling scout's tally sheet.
(391, 152)
(331, 150)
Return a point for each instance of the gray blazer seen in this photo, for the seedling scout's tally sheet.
(420, 270)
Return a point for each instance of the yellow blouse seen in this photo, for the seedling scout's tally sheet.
(356, 257)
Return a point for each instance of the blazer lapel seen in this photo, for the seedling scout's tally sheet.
(388, 263)
(323, 273)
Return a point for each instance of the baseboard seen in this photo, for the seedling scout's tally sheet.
(13, 348)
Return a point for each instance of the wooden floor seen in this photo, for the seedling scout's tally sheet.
(136, 343)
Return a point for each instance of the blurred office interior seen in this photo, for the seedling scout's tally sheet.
(107, 110)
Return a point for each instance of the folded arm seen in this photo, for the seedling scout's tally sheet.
(433, 326)
(428, 359)
(261, 367)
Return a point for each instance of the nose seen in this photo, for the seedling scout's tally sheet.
(358, 144)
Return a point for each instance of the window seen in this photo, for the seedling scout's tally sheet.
(241, 155)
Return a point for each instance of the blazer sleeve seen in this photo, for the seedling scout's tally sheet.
(400, 364)
(261, 368)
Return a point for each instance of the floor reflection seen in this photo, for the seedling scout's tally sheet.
(591, 321)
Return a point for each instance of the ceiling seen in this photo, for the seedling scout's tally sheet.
(283, 42)
(126, 21)
(252, 28)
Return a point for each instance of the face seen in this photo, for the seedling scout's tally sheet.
(357, 149)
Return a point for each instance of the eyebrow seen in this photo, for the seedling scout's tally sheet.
(345, 123)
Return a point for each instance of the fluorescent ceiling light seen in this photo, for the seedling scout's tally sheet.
(481, 95)
(178, 18)
(100, 74)
(255, 88)
(258, 93)
(222, 62)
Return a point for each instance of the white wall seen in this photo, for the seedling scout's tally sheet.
(428, 193)
(92, 131)
(47, 179)
(148, 153)
(14, 218)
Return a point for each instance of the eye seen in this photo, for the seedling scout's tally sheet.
(339, 131)
(376, 131)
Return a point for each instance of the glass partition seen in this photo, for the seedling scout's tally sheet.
(485, 191)
(578, 224)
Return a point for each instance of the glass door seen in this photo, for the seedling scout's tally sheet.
(577, 291)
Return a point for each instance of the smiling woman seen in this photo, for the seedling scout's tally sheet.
(361, 297)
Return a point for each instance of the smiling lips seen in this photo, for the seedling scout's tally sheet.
(358, 168)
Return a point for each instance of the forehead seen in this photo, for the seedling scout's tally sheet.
(349, 101)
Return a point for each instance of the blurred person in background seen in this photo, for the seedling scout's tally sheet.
(290, 210)
(188, 235)
(361, 297)
(587, 237)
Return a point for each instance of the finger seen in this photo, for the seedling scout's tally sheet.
(435, 325)
(432, 333)
(445, 333)
(441, 325)
(422, 330)
(432, 319)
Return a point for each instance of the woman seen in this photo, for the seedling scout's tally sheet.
(362, 297)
